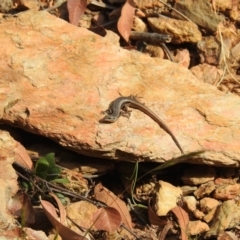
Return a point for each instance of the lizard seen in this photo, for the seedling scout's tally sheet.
(119, 107)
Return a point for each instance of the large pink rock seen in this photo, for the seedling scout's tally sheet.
(57, 78)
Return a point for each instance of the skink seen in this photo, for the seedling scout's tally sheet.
(119, 107)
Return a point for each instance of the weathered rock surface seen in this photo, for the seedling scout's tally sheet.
(200, 12)
(57, 78)
(8, 182)
(181, 31)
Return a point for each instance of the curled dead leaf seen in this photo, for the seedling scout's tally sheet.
(63, 231)
(107, 219)
(125, 22)
(76, 9)
(104, 195)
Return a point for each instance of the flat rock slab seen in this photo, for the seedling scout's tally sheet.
(57, 78)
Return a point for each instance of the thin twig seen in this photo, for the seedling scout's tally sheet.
(224, 58)
(55, 188)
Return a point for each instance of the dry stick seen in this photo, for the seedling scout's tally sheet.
(56, 188)
(221, 79)
(52, 186)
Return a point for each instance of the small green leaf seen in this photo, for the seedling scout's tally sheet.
(63, 199)
(54, 170)
(41, 167)
(26, 185)
(61, 180)
(51, 159)
(53, 173)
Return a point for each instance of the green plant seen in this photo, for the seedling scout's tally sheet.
(47, 169)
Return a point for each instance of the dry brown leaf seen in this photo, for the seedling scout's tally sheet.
(153, 217)
(104, 195)
(125, 22)
(64, 232)
(107, 219)
(76, 9)
(183, 219)
(61, 208)
(20, 206)
(22, 157)
(165, 230)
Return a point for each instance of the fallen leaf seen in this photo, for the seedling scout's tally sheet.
(104, 195)
(63, 231)
(22, 157)
(61, 208)
(125, 22)
(153, 217)
(76, 9)
(20, 206)
(107, 219)
(183, 219)
(165, 230)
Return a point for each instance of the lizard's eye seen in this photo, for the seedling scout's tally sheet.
(109, 111)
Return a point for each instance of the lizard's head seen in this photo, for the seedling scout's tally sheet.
(108, 119)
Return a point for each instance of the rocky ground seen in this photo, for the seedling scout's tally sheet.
(63, 62)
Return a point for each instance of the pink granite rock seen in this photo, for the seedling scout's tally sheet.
(57, 78)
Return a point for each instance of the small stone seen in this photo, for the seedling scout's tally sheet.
(210, 216)
(183, 57)
(200, 12)
(227, 216)
(139, 25)
(210, 49)
(81, 213)
(188, 190)
(223, 5)
(225, 181)
(198, 175)
(191, 203)
(198, 214)
(167, 197)
(181, 31)
(154, 51)
(207, 204)
(197, 227)
(226, 192)
(206, 73)
(205, 189)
